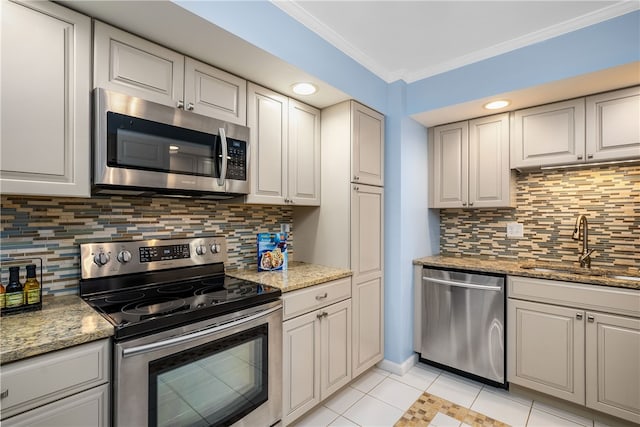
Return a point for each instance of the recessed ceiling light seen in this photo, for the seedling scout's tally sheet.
(496, 105)
(304, 88)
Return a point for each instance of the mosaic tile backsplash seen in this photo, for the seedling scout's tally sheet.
(52, 229)
(548, 203)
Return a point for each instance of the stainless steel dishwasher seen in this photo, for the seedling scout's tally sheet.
(462, 323)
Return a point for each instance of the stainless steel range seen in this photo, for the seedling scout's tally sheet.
(192, 347)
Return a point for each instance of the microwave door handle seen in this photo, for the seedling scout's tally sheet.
(223, 168)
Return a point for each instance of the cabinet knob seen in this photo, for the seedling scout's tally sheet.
(470, 203)
(190, 106)
(579, 316)
(5, 393)
(180, 104)
(589, 156)
(579, 156)
(590, 318)
(464, 203)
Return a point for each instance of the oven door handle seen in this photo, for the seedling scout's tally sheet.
(134, 351)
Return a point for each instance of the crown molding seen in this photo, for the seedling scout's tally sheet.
(305, 18)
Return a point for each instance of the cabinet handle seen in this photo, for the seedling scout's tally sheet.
(356, 188)
(579, 156)
(356, 178)
(589, 156)
(180, 104)
(470, 203)
(590, 318)
(579, 316)
(190, 106)
(5, 393)
(321, 315)
(319, 297)
(464, 203)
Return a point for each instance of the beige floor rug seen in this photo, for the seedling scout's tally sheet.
(427, 406)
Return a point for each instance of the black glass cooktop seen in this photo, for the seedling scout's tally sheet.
(146, 309)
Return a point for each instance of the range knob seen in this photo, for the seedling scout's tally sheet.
(201, 249)
(215, 248)
(101, 259)
(124, 256)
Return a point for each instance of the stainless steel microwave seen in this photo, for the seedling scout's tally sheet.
(141, 147)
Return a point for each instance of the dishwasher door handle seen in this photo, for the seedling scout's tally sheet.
(461, 284)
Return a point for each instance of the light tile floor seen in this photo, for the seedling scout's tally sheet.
(379, 398)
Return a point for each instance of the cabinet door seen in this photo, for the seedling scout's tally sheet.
(450, 165)
(301, 365)
(548, 135)
(367, 231)
(335, 366)
(87, 409)
(45, 103)
(267, 117)
(489, 172)
(613, 365)
(368, 323)
(214, 93)
(546, 349)
(367, 159)
(129, 64)
(304, 154)
(613, 125)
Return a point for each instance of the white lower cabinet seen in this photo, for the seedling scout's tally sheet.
(578, 342)
(68, 387)
(316, 350)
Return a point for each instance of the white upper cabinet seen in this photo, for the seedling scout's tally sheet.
(303, 162)
(367, 161)
(548, 135)
(213, 92)
(285, 149)
(470, 164)
(129, 64)
(45, 104)
(613, 125)
(602, 127)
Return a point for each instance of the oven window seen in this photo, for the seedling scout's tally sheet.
(213, 384)
(142, 144)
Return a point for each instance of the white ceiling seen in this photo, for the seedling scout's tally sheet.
(412, 40)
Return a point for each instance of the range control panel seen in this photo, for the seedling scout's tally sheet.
(116, 258)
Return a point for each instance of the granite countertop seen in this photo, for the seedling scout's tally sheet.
(299, 275)
(63, 322)
(572, 273)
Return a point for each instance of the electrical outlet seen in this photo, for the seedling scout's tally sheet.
(515, 230)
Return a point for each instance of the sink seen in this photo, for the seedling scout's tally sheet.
(562, 269)
(634, 278)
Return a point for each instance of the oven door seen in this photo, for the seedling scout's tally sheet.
(218, 372)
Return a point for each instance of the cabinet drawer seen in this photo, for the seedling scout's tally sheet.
(43, 379)
(590, 297)
(304, 300)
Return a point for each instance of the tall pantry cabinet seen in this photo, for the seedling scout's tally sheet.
(347, 230)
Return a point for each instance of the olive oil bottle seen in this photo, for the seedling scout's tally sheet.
(31, 286)
(14, 296)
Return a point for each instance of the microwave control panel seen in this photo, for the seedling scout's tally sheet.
(236, 159)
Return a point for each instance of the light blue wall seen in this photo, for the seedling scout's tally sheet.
(269, 28)
(412, 230)
(600, 46)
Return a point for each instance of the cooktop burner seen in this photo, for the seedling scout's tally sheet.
(143, 287)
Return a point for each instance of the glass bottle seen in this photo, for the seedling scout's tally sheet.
(31, 286)
(14, 296)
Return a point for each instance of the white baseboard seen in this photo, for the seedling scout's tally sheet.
(399, 368)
